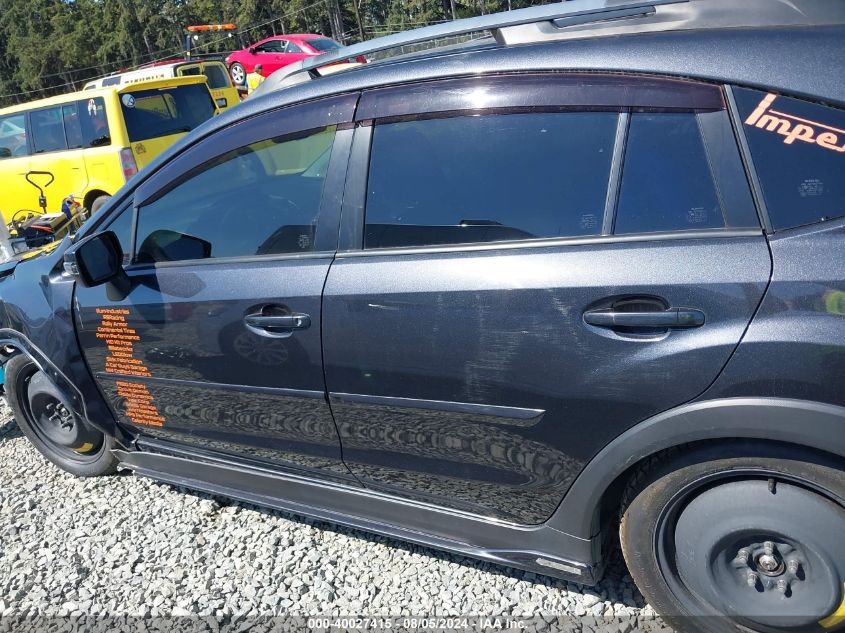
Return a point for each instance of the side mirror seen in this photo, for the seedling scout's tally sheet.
(96, 260)
(252, 51)
(5, 152)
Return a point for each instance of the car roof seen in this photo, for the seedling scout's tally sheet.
(293, 36)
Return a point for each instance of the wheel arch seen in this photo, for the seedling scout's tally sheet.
(14, 343)
(92, 195)
(809, 425)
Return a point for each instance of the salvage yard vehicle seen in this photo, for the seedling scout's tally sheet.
(578, 279)
(220, 84)
(92, 142)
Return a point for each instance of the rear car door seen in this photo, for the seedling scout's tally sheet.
(54, 131)
(216, 344)
(529, 266)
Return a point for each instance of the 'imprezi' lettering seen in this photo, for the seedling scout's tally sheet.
(794, 128)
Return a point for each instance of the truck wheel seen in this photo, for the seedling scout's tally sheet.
(46, 418)
(738, 537)
(99, 201)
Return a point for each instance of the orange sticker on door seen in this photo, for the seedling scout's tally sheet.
(120, 340)
(794, 128)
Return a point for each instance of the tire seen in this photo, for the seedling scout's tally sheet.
(738, 537)
(99, 201)
(238, 73)
(46, 418)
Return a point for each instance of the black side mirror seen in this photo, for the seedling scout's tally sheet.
(5, 152)
(96, 260)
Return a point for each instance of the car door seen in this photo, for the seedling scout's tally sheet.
(271, 56)
(529, 266)
(215, 343)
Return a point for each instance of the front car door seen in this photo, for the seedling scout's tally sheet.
(216, 344)
(529, 266)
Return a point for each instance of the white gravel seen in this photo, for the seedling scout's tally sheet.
(126, 547)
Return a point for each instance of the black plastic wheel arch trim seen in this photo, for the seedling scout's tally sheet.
(20, 342)
(804, 424)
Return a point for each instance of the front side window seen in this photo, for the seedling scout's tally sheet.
(121, 226)
(95, 127)
(488, 178)
(667, 184)
(48, 133)
(262, 199)
(13, 136)
(798, 150)
(273, 46)
(154, 113)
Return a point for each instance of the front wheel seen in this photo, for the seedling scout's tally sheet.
(47, 419)
(238, 73)
(739, 537)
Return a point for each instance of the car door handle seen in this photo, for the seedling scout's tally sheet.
(669, 318)
(278, 323)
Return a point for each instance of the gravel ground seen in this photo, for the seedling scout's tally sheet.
(126, 547)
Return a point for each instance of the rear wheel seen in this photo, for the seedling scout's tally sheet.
(739, 537)
(47, 419)
(238, 73)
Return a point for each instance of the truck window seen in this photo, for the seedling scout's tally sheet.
(217, 76)
(153, 113)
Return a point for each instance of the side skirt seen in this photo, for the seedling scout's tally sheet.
(540, 549)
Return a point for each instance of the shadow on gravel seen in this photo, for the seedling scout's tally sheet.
(9, 430)
(616, 571)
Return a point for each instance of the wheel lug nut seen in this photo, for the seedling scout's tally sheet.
(751, 579)
(793, 566)
(783, 585)
(769, 547)
(743, 555)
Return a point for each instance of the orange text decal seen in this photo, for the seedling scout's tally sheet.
(794, 128)
(120, 339)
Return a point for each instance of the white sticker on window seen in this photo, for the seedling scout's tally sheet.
(811, 187)
(128, 101)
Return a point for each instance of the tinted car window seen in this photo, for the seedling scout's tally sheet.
(322, 44)
(292, 48)
(262, 199)
(13, 136)
(217, 76)
(48, 133)
(488, 178)
(95, 128)
(273, 46)
(154, 113)
(73, 127)
(666, 184)
(798, 149)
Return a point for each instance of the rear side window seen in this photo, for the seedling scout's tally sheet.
(154, 113)
(95, 127)
(798, 150)
(666, 184)
(48, 133)
(73, 127)
(13, 136)
(488, 178)
(262, 199)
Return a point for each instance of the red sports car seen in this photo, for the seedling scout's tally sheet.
(275, 52)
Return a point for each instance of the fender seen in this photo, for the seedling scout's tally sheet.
(803, 423)
(20, 342)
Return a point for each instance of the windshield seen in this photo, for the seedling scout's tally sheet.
(322, 44)
(153, 113)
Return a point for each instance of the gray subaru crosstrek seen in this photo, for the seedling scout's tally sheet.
(581, 276)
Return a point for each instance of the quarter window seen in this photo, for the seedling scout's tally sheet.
(48, 134)
(262, 199)
(667, 184)
(488, 178)
(798, 150)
